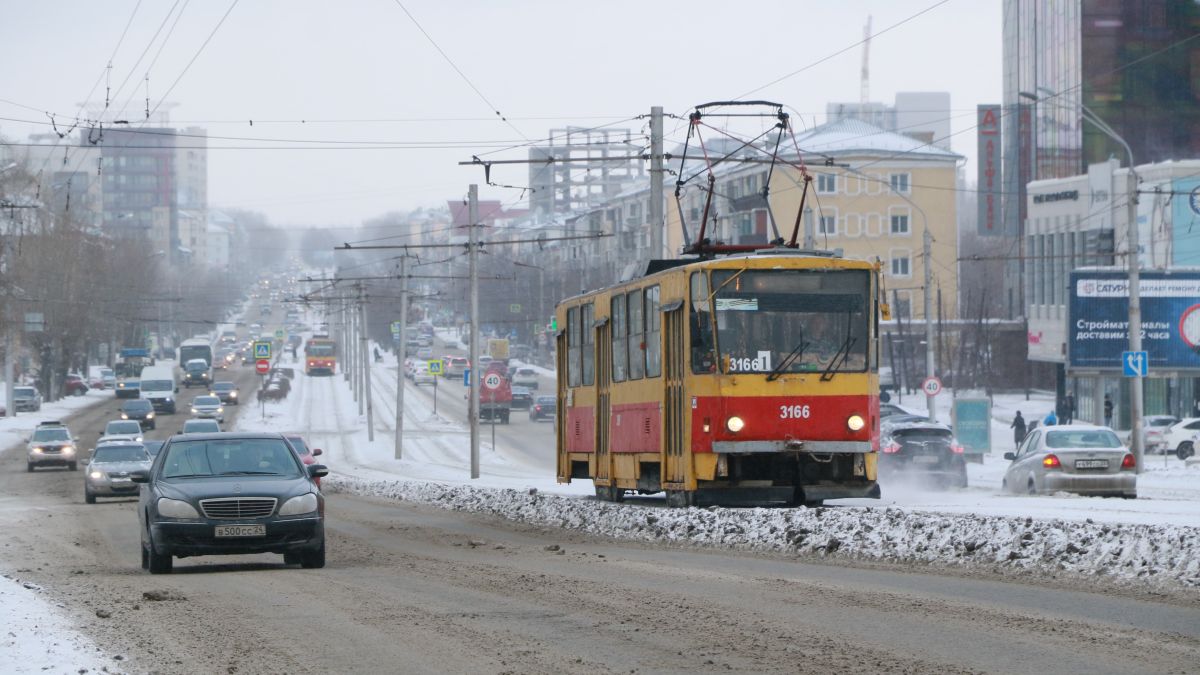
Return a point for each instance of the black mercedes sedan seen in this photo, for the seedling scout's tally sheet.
(227, 494)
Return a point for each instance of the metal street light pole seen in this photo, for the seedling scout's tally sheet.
(1133, 265)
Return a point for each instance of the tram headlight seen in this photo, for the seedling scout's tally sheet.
(855, 422)
(735, 424)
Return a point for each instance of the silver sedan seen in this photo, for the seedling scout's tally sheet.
(1075, 458)
(208, 407)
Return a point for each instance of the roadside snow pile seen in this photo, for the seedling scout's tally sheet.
(37, 638)
(1142, 552)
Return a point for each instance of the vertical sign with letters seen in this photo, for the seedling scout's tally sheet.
(988, 118)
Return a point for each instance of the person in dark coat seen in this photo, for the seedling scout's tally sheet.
(1018, 427)
(1108, 411)
(1069, 409)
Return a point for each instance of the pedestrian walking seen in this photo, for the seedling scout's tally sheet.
(1050, 420)
(1018, 427)
(1108, 410)
(1070, 409)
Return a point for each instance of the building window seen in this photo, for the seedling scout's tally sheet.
(900, 263)
(827, 226)
(899, 224)
(827, 183)
(903, 308)
(900, 182)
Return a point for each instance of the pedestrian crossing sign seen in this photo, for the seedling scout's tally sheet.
(262, 349)
(435, 367)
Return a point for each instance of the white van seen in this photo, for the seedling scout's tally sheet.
(159, 386)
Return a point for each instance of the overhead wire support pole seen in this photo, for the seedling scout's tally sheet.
(657, 172)
(401, 354)
(473, 368)
(362, 314)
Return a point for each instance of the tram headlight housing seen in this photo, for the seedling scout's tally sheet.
(735, 424)
(855, 422)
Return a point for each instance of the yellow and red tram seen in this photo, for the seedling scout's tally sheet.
(746, 379)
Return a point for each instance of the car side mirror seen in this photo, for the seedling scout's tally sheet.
(316, 451)
(1010, 456)
(317, 471)
(139, 476)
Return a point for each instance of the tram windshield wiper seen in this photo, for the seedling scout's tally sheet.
(787, 361)
(838, 358)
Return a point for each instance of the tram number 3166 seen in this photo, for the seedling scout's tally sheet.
(794, 412)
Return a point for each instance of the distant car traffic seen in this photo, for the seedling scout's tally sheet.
(1182, 437)
(306, 454)
(226, 391)
(75, 385)
(205, 426)
(1154, 438)
(139, 410)
(525, 377)
(254, 496)
(208, 407)
(108, 470)
(1073, 458)
(51, 444)
(543, 408)
(522, 398)
(130, 430)
(422, 375)
(196, 371)
(455, 366)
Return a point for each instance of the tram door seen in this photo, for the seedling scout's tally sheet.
(674, 469)
(603, 417)
(560, 416)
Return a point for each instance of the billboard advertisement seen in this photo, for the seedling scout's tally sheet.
(988, 119)
(973, 424)
(1185, 222)
(1097, 328)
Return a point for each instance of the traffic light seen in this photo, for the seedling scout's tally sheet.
(553, 324)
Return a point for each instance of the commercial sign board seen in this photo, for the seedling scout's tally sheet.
(1184, 237)
(1098, 321)
(973, 424)
(988, 120)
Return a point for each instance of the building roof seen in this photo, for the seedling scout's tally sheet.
(856, 137)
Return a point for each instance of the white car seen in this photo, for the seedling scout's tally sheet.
(425, 353)
(525, 377)
(208, 407)
(1154, 425)
(129, 430)
(1181, 437)
(421, 374)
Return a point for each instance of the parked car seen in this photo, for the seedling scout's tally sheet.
(254, 496)
(130, 430)
(208, 407)
(1074, 458)
(51, 444)
(26, 399)
(522, 398)
(1153, 439)
(226, 391)
(107, 472)
(1182, 437)
(205, 426)
(918, 448)
(525, 377)
(543, 408)
(139, 410)
(75, 385)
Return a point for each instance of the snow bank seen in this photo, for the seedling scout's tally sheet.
(1146, 553)
(36, 638)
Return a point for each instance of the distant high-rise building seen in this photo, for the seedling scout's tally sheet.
(919, 114)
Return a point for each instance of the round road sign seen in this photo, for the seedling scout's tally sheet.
(262, 366)
(931, 386)
(491, 381)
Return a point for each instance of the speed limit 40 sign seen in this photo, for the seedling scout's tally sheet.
(931, 386)
(491, 381)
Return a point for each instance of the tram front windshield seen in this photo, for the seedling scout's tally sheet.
(781, 321)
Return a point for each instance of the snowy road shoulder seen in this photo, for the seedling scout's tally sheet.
(36, 638)
(1139, 554)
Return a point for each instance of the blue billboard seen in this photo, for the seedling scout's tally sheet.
(1097, 329)
(1185, 222)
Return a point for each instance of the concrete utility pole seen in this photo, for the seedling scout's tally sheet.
(1135, 312)
(930, 363)
(657, 217)
(401, 355)
(365, 347)
(473, 392)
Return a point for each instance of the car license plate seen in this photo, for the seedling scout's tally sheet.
(241, 531)
(120, 481)
(925, 459)
(1091, 464)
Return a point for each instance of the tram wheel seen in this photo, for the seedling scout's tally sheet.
(681, 498)
(610, 493)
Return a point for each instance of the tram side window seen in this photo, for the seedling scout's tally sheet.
(588, 344)
(653, 333)
(637, 344)
(703, 351)
(573, 350)
(620, 339)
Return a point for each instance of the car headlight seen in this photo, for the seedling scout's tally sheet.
(233, 394)
(297, 505)
(37, 451)
(68, 450)
(220, 410)
(96, 475)
(173, 508)
(194, 411)
(124, 416)
(855, 422)
(735, 424)
(149, 416)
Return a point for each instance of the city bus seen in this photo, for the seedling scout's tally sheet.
(195, 348)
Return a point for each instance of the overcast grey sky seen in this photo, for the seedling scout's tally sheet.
(361, 71)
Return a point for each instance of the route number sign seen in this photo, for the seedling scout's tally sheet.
(931, 386)
(491, 381)
(262, 366)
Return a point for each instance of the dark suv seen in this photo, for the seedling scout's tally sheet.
(139, 409)
(921, 449)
